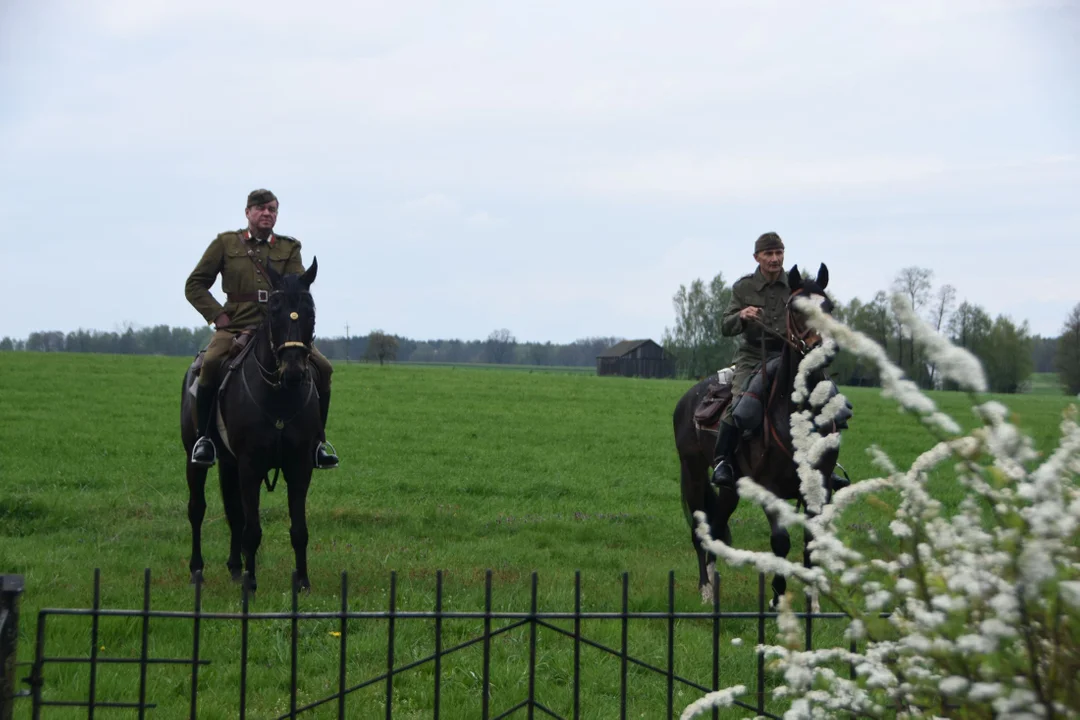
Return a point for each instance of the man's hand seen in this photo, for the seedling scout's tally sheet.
(221, 321)
(751, 312)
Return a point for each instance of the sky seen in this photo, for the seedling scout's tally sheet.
(555, 168)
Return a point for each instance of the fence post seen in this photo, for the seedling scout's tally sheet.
(11, 586)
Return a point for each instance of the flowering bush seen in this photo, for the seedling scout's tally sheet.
(976, 614)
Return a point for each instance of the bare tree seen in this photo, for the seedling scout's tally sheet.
(499, 346)
(940, 312)
(381, 347)
(944, 302)
(913, 282)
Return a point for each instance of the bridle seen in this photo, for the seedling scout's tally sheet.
(797, 335)
(272, 377)
(800, 339)
(293, 317)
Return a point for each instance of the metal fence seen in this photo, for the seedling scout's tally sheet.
(531, 704)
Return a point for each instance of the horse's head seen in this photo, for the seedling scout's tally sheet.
(291, 322)
(805, 338)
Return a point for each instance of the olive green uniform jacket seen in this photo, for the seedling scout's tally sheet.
(754, 290)
(227, 256)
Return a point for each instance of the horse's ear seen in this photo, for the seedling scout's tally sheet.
(823, 276)
(794, 279)
(274, 275)
(309, 275)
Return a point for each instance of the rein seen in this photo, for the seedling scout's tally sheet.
(796, 341)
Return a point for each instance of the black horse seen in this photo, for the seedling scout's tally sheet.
(268, 410)
(767, 456)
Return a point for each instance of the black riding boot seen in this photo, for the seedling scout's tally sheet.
(726, 441)
(325, 459)
(204, 454)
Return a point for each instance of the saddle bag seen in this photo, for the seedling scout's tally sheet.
(717, 396)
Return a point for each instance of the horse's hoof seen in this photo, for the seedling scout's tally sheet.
(237, 576)
(250, 586)
(303, 585)
(706, 594)
(196, 577)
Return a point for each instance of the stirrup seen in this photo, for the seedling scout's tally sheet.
(213, 452)
(716, 471)
(330, 451)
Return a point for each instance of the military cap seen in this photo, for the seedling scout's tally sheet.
(768, 241)
(260, 197)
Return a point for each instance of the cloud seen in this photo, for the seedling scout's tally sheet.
(870, 135)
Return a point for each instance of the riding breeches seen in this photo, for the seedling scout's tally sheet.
(217, 352)
(739, 383)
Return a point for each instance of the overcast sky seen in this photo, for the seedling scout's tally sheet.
(555, 168)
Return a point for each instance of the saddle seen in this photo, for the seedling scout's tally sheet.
(241, 346)
(717, 397)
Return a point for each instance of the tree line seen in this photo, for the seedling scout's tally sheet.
(1008, 350)
(500, 347)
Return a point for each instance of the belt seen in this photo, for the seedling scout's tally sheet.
(260, 296)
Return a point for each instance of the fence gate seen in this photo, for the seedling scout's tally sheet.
(25, 682)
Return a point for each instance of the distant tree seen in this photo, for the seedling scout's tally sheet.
(1006, 355)
(499, 346)
(541, 353)
(424, 352)
(7, 344)
(1044, 354)
(940, 312)
(381, 347)
(969, 326)
(1068, 352)
(52, 341)
(914, 283)
(696, 341)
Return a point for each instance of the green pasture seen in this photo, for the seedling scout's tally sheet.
(443, 468)
(1044, 384)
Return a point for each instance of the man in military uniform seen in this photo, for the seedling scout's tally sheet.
(759, 299)
(247, 290)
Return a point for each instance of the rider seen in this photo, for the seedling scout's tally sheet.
(231, 254)
(758, 299)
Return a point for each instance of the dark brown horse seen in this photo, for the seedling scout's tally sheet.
(269, 410)
(766, 456)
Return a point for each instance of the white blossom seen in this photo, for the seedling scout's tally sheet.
(969, 588)
(953, 685)
(718, 699)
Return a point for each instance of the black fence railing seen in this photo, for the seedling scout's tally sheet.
(565, 624)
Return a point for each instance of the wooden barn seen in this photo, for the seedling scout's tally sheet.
(636, 358)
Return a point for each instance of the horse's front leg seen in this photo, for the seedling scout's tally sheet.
(298, 478)
(196, 480)
(781, 546)
(250, 481)
(229, 477)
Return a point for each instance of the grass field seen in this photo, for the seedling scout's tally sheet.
(1044, 384)
(447, 468)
